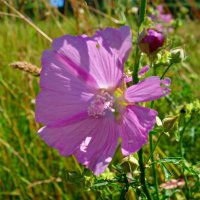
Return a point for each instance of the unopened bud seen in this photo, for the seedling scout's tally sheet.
(129, 163)
(151, 40)
(177, 55)
(170, 123)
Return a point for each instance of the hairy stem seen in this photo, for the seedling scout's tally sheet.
(136, 66)
(153, 165)
(152, 149)
(142, 175)
(137, 51)
(143, 6)
(136, 80)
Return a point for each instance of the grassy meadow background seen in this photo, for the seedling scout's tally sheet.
(29, 169)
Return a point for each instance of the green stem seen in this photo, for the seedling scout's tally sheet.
(162, 77)
(152, 148)
(125, 188)
(158, 140)
(181, 136)
(166, 71)
(136, 66)
(136, 80)
(143, 6)
(153, 165)
(142, 175)
(182, 155)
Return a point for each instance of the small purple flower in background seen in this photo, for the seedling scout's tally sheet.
(84, 102)
(163, 21)
(166, 18)
(173, 184)
(150, 41)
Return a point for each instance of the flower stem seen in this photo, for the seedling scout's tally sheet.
(182, 155)
(142, 175)
(136, 66)
(125, 188)
(136, 80)
(152, 148)
(142, 13)
(158, 140)
(153, 165)
(143, 6)
(165, 71)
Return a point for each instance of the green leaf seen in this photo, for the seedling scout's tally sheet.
(166, 172)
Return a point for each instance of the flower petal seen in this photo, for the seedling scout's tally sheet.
(99, 152)
(136, 122)
(143, 71)
(92, 141)
(117, 40)
(67, 138)
(102, 56)
(148, 89)
(63, 95)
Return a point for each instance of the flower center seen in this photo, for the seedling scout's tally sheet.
(101, 103)
(106, 101)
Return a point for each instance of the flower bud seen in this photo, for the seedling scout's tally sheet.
(150, 41)
(129, 163)
(170, 123)
(177, 55)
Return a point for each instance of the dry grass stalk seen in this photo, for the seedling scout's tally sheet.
(51, 180)
(26, 20)
(27, 67)
(11, 149)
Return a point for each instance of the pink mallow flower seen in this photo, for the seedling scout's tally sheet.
(84, 102)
